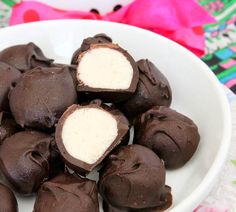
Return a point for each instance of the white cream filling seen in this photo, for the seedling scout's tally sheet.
(88, 132)
(104, 67)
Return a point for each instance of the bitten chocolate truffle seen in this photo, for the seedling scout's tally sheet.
(8, 201)
(8, 77)
(27, 159)
(8, 126)
(133, 179)
(99, 38)
(153, 89)
(41, 96)
(171, 135)
(67, 193)
(85, 134)
(24, 57)
(106, 71)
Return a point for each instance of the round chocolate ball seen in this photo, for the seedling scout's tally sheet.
(86, 134)
(8, 126)
(8, 77)
(104, 70)
(41, 96)
(108, 72)
(27, 159)
(24, 57)
(8, 201)
(67, 193)
(153, 89)
(171, 135)
(133, 179)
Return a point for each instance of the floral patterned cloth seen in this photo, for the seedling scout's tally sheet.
(221, 41)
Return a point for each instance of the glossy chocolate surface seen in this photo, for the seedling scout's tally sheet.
(8, 77)
(133, 179)
(171, 135)
(67, 193)
(41, 96)
(8, 201)
(25, 57)
(8, 126)
(153, 89)
(27, 159)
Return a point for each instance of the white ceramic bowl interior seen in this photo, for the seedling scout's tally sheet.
(196, 93)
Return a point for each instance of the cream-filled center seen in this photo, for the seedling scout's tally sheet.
(105, 68)
(88, 132)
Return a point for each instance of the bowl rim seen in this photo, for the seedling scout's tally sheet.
(210, 177)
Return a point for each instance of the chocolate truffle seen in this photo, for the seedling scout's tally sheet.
(171, 135)
(24, 57)
(106, 71)
(8, 126)
(99, 38)
(8, 201)
(85, 134)
(133, 179)
(41, 96)
(67, 193)
(8, 77)
(153, 89)
(27, 159)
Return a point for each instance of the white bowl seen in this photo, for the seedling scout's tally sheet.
(196, 93)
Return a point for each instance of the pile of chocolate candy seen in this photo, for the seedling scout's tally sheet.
(56, 127)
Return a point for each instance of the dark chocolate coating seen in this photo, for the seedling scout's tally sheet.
(25, 57)
(67, 193)
(153, 89)
(41, 96)
(72, 69)
(27, 159)
(8, 126)
(105, 94)
(171, 135)
(81, 166)
(99, 38)
(133, 179)
(8, 77)
(8, 201)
